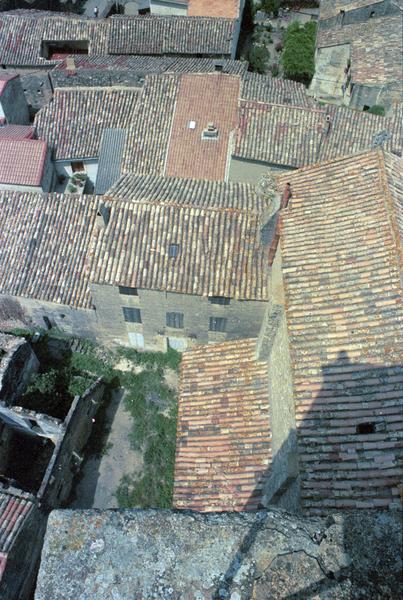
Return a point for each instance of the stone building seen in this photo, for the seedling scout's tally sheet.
(43, 39)
(75, 120)
(258, 124)
(191, 265)
(338, 13)
(39, 456)
(25, 164)
(340, 245)
(308, 417)
(13, 105)
(358, 53)
(225, 9)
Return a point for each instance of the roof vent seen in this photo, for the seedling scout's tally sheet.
(192, 125)
(103, 215)
(210, 133)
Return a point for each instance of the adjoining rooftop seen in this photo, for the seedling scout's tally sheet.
(75, 120)
(44, 38)
(340, 242)
(22, 161)
(223, 447)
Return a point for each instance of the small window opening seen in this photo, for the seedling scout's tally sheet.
(173, 250)
(365, 428)
(128, 291)
(365, 108)
(47, 322)
(219, 66)
(372, 14)
(219, 300)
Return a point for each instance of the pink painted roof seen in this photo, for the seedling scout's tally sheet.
(22, 161)
(16, 132)
(4, 79)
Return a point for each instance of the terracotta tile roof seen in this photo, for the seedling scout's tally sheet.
(153, 64)
(228, 9)
(16, 132)
(14, 510)
(148, 136)
(22, 161)
(4, 79)
(279, 134)
(353, 131)
(196, 192)
(73, 123)
(203, 99)
(261, 88)
(340, 247)
(220, 253)
(376, 48)
(223, 446)
(288, 135)
(22, 33)
(154, 34)
(44, 250)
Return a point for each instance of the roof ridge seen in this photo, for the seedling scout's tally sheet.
(389, 205)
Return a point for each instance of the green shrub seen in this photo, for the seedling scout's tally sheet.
(270, 6)
(258, 58)
(377, 109)
(274, 70)
(298, 57)
(71, 188)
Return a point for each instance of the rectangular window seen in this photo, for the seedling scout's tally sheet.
(218, 324)
(174, 319)
(219, 300)
(131, 315)
(128, 291)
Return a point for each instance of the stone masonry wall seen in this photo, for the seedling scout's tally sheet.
(244, 318)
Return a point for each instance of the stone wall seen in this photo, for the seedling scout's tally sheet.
(66, 459)
(361, 14)
(26, 312)
(17, 364)
(264, 555)
(14, 104)
(244, 318)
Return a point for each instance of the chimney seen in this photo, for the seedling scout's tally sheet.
(210, 132)
(286, 196)
(103, 215)
(70, 66)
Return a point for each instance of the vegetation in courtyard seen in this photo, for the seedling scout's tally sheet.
(377, 109)
(270, 6)
(152, 404)
(298, 57)
(258, 58)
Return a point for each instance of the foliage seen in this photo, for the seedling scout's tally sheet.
(170, 359)
(270, 6)
(153, 407)
(258, 58)
(275, 70)
(279, 46)
(298, 57)
(377, 109)
(71, 188)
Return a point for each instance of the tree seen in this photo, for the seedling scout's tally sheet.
(270, 6)
(258, 58)
(298, 57)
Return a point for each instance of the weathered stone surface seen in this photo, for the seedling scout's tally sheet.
(147, 554)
